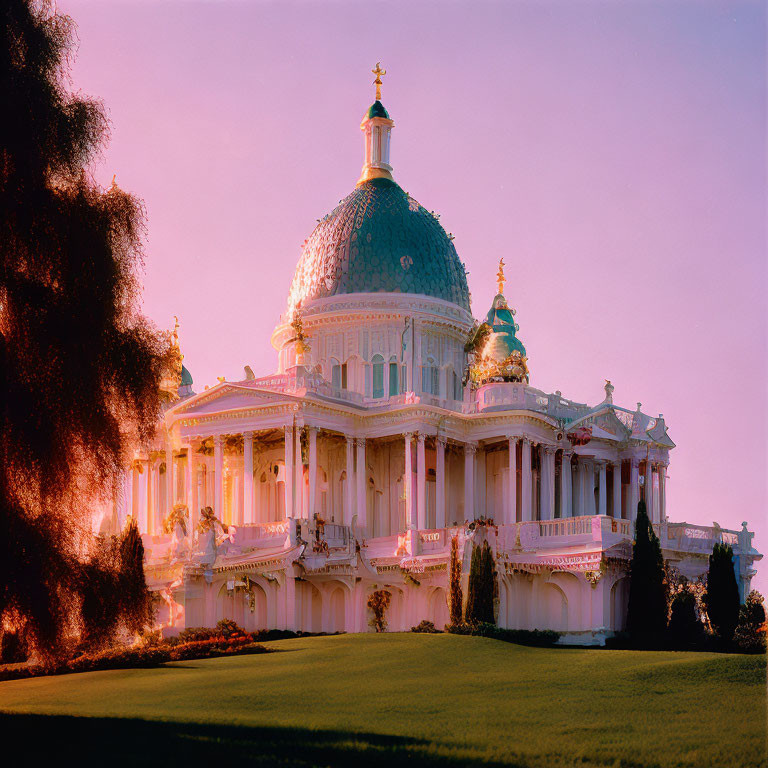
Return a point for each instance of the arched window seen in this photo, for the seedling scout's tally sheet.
(430, 378)
(394, 384)
(378, 376)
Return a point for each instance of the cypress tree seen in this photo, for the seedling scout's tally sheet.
(480, 592)
(647, 610)
(456, 595)
(722, 595)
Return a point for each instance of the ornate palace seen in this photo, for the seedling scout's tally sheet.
(393, 422)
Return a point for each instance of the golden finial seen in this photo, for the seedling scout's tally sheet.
(175, 332)
(500, 276)
(379, 72)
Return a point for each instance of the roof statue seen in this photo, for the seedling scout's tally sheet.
(379, 72)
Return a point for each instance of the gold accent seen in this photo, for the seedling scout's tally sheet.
(379, 72)
(500, 280)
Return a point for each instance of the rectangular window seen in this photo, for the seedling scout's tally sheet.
(344, 376)
(393, 379)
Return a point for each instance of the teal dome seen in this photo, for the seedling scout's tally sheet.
(186, 377)
(376, 109)
(502, 341)
(379, 240)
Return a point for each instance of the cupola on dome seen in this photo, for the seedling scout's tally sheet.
(378, 239)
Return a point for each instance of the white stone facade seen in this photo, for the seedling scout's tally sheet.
(353, 466)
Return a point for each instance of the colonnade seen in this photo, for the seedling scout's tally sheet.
(540, 481)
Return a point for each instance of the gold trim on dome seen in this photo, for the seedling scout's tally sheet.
(512, 368)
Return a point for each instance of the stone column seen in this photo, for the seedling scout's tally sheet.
(218, 470)
(360, 475)
(170, 491)
(548, 484)
(410, 518)
(586, 489)
(142, 505)
(634, 494)
(156, 512)
(312, 470)
(469, 481)
(298, 475)
(649, 490)
(189, 474)
(663, 492)
(511, 506)
(602, 497)
(566, 495)
(525, 495)
(617, 511)
(421, 483)
(288, 431)
(440, 482)
(350, 484)
(248, 514)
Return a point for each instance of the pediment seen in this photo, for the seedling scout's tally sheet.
(605, 425)
(227, 397)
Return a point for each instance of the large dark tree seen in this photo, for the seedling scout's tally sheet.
(722, 595)
(79, 366)
(647, 610)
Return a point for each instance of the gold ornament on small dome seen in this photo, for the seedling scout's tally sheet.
(171, 380)
(500, 279)
(379, 72)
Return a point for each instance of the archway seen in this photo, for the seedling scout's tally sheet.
(438, 608)
(619, 603)
(337, 612)
(553, 608)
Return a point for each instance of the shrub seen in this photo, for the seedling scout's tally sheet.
(426, 627)
(535, 637)
(750, 634)
(378, 602)
(684, 628)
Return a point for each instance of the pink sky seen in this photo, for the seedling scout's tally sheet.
(613, 154)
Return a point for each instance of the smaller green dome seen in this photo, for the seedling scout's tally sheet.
(186, 377)
(376, 110)
(502, 341)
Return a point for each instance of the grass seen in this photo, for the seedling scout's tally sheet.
(430, 700)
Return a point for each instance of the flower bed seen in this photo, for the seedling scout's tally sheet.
(144, 656)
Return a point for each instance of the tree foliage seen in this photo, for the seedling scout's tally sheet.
(378, 602)
(482, 587)
(647, 609)
(455, 593)
(685, 629)
(750, 634)
(79, 366)
(722, 595)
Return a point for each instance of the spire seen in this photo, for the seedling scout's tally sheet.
(377, 127)
(500, 280)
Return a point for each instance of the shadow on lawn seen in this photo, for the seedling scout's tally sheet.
(92, 741)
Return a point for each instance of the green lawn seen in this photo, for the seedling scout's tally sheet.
(376, 700)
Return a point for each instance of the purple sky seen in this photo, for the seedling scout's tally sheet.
(613, 154)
